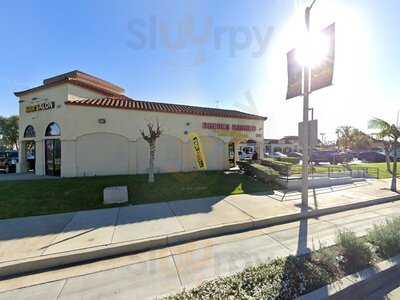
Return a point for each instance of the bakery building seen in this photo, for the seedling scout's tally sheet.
(76, 124)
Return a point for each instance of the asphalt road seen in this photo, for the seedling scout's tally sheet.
(389, 291)
(166, 271)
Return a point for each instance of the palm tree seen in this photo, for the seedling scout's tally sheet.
(389, 134)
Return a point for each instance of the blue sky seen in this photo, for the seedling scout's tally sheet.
(236, 52)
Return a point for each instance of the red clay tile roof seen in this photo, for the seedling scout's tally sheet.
(80, 79)
(123, 102)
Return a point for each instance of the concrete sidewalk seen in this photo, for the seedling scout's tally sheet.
(106, 232)
(152, 274)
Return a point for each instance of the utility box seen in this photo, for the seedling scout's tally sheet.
(115, 195)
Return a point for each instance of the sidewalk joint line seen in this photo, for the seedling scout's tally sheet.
(176, 216)
(115, 225)
(237, 207)
(279, 242)
(44, 249)
(62, 288)
(177, 271)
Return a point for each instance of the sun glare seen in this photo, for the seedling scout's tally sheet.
(313, 50)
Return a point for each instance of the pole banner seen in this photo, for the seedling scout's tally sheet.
(322, 74)
(198, 152)
(295, 75)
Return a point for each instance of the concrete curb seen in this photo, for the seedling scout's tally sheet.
(45, 262)
(360, 284)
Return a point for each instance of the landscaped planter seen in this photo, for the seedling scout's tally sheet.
(261, 172)
(360, 284)
(320, 274)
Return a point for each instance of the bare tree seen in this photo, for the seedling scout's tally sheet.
(151, 138)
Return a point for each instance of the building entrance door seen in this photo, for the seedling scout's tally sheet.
(29, 155)
(53, 157)
(231, 155)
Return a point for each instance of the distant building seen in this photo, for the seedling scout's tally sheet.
(285, 145)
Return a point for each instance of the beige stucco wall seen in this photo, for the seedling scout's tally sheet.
(102, 154)
(116, 147)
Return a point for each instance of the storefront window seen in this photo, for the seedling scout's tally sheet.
(53, 129)
(29, 132)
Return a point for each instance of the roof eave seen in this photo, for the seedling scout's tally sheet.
(251, 117)
(74, 82)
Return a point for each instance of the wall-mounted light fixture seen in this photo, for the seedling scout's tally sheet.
(101, 121)
(34, 99)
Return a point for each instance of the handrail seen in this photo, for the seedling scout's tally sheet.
(363, 171)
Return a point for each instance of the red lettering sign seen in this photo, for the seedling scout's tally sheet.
(244, 127)
(221, 126)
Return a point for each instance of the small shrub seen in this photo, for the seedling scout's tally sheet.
(283, 278)
(291, 160)
(355, 254)
(327, 259)
(284, 168)
(386, 238)
(262, 173)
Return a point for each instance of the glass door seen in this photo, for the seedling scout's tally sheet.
(231, 155)
(53, 157)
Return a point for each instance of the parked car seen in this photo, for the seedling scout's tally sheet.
(397, 155)
(372, 156)
(278, 154)
(295, 154)
(8, 161)
(333, 157)
(351, 155)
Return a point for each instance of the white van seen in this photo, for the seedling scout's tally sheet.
(246, 151)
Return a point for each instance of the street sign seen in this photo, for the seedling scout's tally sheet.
(295, 75)
(312, 133)
(322, 74)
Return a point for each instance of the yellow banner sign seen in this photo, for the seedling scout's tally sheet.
(198, 151)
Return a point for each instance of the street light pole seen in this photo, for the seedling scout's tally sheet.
(306, 92)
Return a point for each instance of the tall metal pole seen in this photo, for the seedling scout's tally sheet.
(306, 91)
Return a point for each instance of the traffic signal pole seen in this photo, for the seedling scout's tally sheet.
(306, 92)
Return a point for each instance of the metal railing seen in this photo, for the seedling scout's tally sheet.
(295, 172)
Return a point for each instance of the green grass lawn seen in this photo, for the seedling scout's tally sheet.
(28, 198)
(373, 169)
(383, 172)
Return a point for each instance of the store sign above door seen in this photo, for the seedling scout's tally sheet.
(40, 107)
(222, 126)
